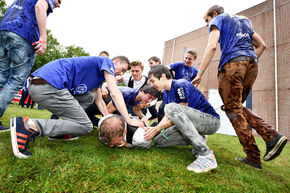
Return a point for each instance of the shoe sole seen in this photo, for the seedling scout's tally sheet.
(275, 152)
(71, 139)
(14, 143)
(2, 131)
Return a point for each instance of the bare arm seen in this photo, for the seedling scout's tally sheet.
(100, 102)
(208, 54)
(138, 111)
(41, 8)
(259, 44)
(119, 100)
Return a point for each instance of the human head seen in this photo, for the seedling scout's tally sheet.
(148, 93)
(57, 3)
(158, 76)
(137, 70)
(104, 53)
(190, 57)
(153, 61)
(111, 131)
(121, 64)
(212, 12)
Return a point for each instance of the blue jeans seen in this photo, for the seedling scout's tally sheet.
(16, 60)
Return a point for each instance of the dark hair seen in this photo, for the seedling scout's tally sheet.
(111, 131)
(151, 90)
(155, 59)
(104, 52)
(219, 9)
(158, 70)
(123, 59)
(192, 52)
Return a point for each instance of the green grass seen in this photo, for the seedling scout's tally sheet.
(85, 165)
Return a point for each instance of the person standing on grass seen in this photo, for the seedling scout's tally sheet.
(241, 47)
(63, 87)
(188, 116)
(22, 34)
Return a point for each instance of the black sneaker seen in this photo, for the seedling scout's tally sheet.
(246, 161)
(20, 136)
(63, 137)
(274, 147)
(3, 128)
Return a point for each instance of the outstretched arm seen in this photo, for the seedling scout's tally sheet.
(100, 102)
(208, 54)
(119, 100)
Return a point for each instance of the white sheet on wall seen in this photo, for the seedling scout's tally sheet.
(216, 101)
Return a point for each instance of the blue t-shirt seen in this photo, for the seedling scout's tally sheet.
(129, 95)
(183, 72)
(79, 75)
(20, 18)
(235, 36)
(183, 91)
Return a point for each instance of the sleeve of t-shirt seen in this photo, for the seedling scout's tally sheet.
(51, 5)
(174, 66)
(217, 22)
(108, 65)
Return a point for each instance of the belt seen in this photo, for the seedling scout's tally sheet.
(243, 58)
(38, 81)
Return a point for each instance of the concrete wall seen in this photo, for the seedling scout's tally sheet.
(264, 88)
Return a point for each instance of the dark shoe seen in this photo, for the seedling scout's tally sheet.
(246, 161)
(275, 147)
(20, 136)
(63, 137)
(3, 128)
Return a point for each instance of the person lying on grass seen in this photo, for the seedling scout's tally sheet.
(115, 132)
(188, 116)
(136, 99)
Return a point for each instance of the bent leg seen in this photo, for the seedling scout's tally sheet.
(61, 103)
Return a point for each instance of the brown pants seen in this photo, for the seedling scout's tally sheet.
(235, 83)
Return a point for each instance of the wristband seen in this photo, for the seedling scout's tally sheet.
(161, 130)
(200, 71)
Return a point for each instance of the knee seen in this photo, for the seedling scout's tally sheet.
(171, 107)
(89, 127)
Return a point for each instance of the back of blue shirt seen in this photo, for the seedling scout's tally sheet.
(79, 75)
(235, 36)
(183, 91)
(20, 18)
(183, 72)
(129, 95)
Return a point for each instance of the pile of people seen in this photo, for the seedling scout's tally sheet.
(73, 89)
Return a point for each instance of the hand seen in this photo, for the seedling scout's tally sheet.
(40, 46)
(151, 132)
(196, 81)
(119, 79)
(135, 122)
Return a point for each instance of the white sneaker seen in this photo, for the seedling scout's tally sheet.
(203, 164)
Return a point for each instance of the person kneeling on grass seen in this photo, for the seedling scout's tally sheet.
(114, 132)
(63, 87)
(188, 116)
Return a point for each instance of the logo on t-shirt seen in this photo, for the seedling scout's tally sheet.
(82, 88)
(242, 35)
(181, 93)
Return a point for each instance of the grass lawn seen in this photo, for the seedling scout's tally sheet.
(85, 165)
